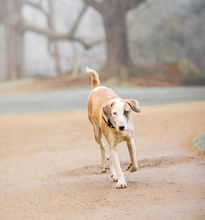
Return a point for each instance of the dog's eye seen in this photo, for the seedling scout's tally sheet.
(114, 113)
(126, 113)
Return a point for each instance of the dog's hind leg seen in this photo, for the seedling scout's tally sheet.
(99, 140)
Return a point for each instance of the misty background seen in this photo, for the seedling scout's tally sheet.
(59, 37)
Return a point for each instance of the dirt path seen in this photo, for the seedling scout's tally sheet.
(49, 167)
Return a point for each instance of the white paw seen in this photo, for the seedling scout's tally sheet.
(103, 169)
(121, 185)
(114, 177)
(104, 166)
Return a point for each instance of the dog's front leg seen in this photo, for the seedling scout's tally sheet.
(115, 161)
(133, 156)
(112, 169)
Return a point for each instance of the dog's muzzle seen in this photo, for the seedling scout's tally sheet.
(122, 127)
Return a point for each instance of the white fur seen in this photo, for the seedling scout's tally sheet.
(119, 117)
(114, 100)
(117, 136)
(97, 88)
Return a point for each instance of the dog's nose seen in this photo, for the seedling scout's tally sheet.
(121, 127)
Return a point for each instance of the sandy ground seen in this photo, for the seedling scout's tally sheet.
(50, 167)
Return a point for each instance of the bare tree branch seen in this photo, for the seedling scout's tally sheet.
(35, 5)
(77, 21)
(49, 32)
(52, 35)
(89, 45)
(134, 3)
(96, 5)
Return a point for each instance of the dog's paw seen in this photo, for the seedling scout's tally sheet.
(132, 168)
(114, 177)
(121, 185)
(104, 169)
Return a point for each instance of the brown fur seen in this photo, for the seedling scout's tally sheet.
(98, 105)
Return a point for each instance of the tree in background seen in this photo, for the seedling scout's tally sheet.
(119, 61)
(161, 31)
(14, 32)
(15, 27)
(114, 19)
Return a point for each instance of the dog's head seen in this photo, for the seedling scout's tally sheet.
(118, 112)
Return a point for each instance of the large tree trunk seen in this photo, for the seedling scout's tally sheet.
(10, 10)
(118, 54)
(15, 53)
(113, 12)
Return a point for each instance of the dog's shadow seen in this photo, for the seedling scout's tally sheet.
(145, 163)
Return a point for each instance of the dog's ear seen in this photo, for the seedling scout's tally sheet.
(134, 104)
(107, 109)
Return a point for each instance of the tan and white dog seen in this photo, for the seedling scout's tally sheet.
(111, 116)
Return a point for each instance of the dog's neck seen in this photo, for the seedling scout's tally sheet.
(108, 122)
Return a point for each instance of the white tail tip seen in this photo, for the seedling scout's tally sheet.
(87, 69)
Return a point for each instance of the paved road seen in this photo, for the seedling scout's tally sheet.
(76, 99)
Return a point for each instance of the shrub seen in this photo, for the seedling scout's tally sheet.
(187, 80)
(200, 80)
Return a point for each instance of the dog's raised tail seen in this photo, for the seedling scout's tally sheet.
(95, 78)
